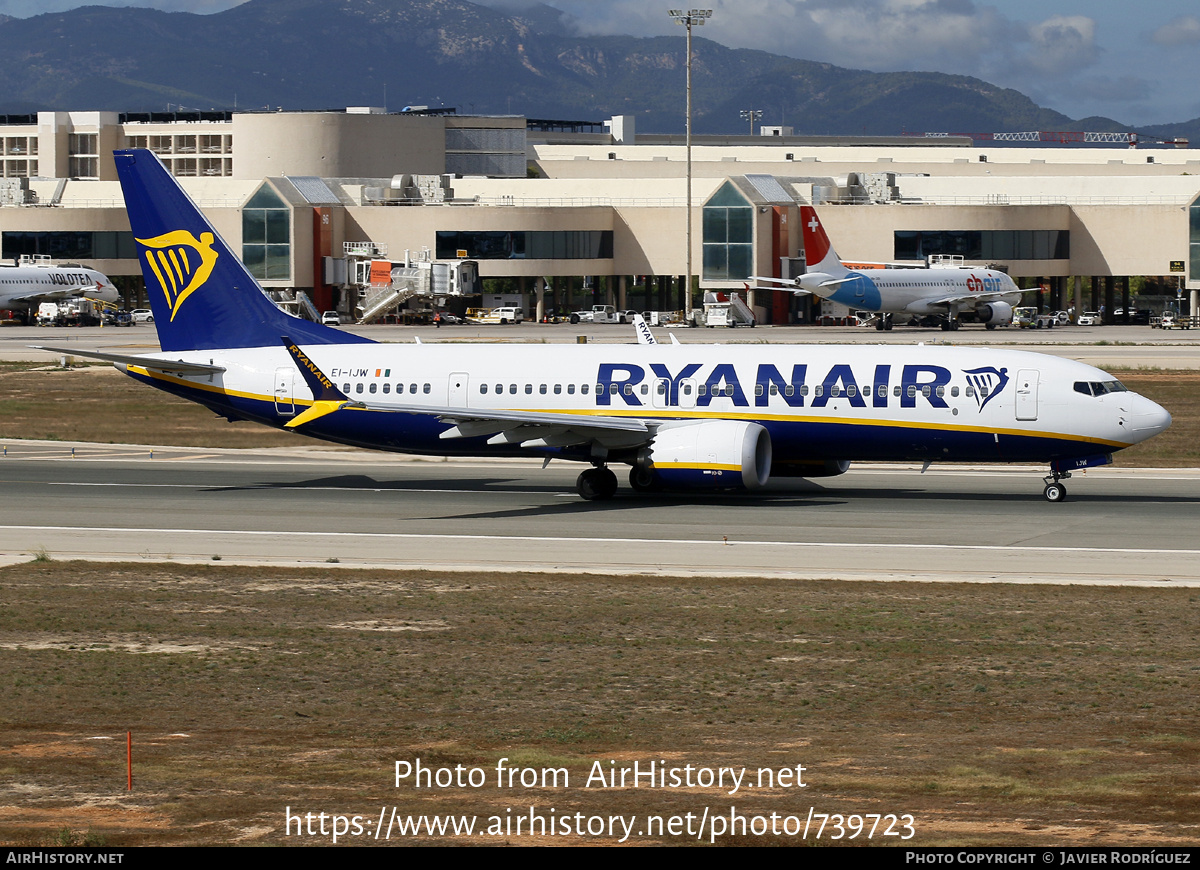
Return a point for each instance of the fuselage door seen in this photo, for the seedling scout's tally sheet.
(684, 397)
(1027, 394)
(283, 390)
(687, 393)
(458, 390)
(662, 393)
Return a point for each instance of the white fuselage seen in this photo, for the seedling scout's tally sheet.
(919, 291)
(817, 402)
(25, 287)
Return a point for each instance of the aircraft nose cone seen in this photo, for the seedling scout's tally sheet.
(1148, 418)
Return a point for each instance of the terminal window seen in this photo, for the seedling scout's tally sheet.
(990, 245)
(1194, 239)
(266, 236)
(526, 245)
(728, 235)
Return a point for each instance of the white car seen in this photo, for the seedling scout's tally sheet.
(331, 318)
(1089, 318)
(141, 315)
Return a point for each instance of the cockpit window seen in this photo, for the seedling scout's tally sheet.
(1099, 388)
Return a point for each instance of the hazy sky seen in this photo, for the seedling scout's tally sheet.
(1135, 62)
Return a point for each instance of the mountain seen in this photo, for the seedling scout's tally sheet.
(314, 54)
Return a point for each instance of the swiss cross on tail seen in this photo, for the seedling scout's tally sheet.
(816, 244)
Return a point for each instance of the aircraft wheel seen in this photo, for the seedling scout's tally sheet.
(945, 326)
(596, 484)
(879, 326)
(643, 480)
(1054, 492)
(989, 326)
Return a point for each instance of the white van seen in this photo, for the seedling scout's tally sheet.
(503, 315)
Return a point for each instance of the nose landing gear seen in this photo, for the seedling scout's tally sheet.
(1055, 491)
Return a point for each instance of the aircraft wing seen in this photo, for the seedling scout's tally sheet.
(785, 283)
(644, 335)
(528, 428)
(969, 297)
(147, 362)
(45, 296)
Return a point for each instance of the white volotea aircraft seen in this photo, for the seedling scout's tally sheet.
(34, 280)
(680, 416)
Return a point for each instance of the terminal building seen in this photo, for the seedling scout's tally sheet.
(562, 215)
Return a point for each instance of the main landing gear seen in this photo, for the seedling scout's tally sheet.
(884, 322)
(596, 484)
(1054, 490)
(949, 324)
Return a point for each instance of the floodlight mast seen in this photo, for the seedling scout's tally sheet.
(693, 17)
(752, 115)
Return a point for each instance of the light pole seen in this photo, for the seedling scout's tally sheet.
(751, 115)
(692, 17)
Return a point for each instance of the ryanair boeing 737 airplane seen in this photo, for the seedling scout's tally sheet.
(680, 416)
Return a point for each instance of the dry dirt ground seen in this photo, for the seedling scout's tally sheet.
(997, 715)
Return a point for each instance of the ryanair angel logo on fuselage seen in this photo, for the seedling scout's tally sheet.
(181, 263)
(988, 382)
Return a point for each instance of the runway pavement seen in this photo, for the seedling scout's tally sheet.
(317, 506)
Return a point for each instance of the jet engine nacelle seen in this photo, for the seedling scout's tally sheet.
(712, 454)
(995, 314)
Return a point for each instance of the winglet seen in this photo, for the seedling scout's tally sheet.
(326, 397)
(644, 335)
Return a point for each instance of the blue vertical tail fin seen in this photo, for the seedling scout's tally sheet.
(202, 295)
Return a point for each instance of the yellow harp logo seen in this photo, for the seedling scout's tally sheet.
(180, 263)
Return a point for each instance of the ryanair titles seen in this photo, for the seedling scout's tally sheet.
(695, 384)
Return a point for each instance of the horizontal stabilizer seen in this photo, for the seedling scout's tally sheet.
(147, 362)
